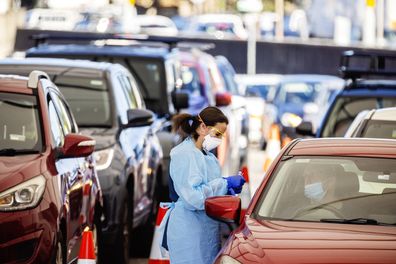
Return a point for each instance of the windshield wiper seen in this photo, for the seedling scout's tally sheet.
(355, 221)
(14, 152)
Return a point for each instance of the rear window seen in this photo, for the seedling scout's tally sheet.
(89, 99)
(346, 109)
(20, 126)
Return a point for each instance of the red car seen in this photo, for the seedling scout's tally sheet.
(49, 189)
(322, 201)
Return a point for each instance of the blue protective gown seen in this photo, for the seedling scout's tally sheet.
(192, 236)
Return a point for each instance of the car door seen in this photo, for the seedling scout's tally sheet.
(70, 173)
(144, 178)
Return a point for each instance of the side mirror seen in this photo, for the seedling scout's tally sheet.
(139, 117)
(76, 145)
(180, 100)
(305, 129)
(224, 208)
(223, 99)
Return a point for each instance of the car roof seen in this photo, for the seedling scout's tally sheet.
(360, 147)
(14, 83)
(91, 49)
(60, 63)
(387, 114)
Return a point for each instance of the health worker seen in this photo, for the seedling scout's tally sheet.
(190, 235)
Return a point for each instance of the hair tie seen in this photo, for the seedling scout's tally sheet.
(190, 122)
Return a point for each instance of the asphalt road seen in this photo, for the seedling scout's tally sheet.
(255, 164)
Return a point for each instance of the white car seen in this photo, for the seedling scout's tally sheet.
(219, 26)
(156, 25)
(376, 123)
(256, 88)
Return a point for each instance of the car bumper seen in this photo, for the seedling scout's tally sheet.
(29, 235)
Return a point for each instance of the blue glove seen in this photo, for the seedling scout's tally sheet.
(235, 182)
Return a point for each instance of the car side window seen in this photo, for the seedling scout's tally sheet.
(65, 117)
(58, 137)
(122, 100)
(127, 89)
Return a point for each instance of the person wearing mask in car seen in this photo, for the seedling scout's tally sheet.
(190, 235)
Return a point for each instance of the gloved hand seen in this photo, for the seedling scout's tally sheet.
(232, 191)
(235, 182)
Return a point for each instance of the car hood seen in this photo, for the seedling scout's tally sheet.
(104, 137)
(17, 169)
(304, 242)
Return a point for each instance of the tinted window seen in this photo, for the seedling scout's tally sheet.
(319, 188)
(379, 129)
(88, 98)
(58, 137)
(346, 109)
(149, 74)
(20, 126)
(127, 89)
(66, 119)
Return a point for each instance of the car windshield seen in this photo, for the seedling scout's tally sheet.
(259, 90)
(298, 92)
(20, 127)
(346, 109)
(339, 189)
(379, 129)
(89, 99)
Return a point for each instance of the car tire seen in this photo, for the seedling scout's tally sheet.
(59, 256)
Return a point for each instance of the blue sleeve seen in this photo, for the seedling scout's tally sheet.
(187, 172)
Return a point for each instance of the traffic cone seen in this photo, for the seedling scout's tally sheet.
(273, 146)
(245, 195)
(156, 257)
(87, 249)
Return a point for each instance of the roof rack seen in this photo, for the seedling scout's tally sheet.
(358, 64)
(34, 77)
(123, 39)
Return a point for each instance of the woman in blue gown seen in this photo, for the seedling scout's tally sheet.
(193, 237)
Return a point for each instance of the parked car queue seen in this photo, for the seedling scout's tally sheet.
(132, 143)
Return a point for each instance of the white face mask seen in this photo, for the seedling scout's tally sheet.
(314, 191)
(210, 142)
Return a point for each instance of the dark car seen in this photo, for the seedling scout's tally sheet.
(49, 189)
(108, 107)
(157, 73)
(322, 201)
(369, 85)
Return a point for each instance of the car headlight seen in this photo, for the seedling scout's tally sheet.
(103, 158)
(290, 120)
(228, 260)
(23, 196)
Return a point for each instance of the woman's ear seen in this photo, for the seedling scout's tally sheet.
(201, 130)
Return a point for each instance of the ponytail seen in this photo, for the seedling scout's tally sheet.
(186, 125)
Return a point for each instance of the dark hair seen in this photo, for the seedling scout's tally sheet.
(186, 124)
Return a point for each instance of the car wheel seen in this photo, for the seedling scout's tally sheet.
(59, 256)
(122, 243)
